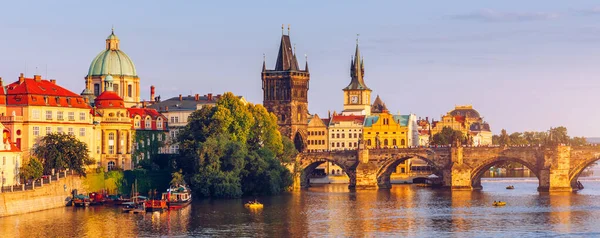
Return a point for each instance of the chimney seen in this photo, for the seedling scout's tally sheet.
(37, 78)
(21, 78)
(197, 97)
(209, 97)
(53, 81)
(180, 98)
(152, 93)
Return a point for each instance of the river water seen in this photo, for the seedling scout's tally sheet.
(332, 210)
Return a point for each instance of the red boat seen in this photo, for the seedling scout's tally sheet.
(177, 197)
(97, 198)
(155, 205)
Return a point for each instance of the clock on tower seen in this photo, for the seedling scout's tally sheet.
(354, 99)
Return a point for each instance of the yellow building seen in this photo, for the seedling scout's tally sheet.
(112, 61)
(386, 131)
(114, 131)
(317, 139)
(33, 107)
(11, 161)
(468, 121)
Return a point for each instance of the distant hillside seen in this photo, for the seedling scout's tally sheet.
(593, 140)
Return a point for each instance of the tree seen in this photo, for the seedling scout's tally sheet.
(517, 138)
(33, 170)
(177, 179)
(578, 141)
(232, 149)
(62, 151)
(448, 136)
(504, 138)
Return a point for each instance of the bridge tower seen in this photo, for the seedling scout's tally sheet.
(285, 93)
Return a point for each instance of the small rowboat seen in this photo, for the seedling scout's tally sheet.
(499, 204)
(510, 187)
(254, 205)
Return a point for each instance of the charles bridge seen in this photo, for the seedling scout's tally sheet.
(557, 167)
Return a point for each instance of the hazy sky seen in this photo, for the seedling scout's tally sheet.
(524, 65)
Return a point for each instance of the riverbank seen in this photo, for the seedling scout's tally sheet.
(41, 198)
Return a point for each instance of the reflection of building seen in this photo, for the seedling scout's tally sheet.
(11, 159)
(33, 107)
(468, 121)
(177, 110)
(357, 96)
(112, 61)
(150, 132)
(285, 93)
(115, 133)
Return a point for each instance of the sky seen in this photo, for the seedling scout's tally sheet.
(524, 65)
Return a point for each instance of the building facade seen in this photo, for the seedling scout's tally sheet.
(285, 94)
(151, 133)
(468, 121)
(112, 61)
(385, 131)
(345, 132)
(317, 139)
(11, 161)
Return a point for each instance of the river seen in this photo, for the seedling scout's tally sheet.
(332, 210)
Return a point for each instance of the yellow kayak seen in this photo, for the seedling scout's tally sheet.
(499, 204)
(254, 205)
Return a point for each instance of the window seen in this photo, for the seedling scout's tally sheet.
(148, 123)
(96, 89)
(59, 129)
(71, 116)
(82, 116)
(394, 142)
(48, 130)
(111, 165)
(343, 135)
(111, 143)
(36, 131)
(332, 144)
(338, 144)
(137, 122)
(385, 142)
(369, 142)
(159, 137)
(59, 116)
(35, 114)
(343, 144)
(48, 115)
(159, 123)
(130, 89)
(402, 142)
(82, 132)
(71, 131)
(116, 88)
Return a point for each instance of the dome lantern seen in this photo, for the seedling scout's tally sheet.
(112, 41)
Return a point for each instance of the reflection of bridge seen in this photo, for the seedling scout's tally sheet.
(557, 168)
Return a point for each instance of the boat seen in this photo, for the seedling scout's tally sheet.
(510, 187)
(97, 199)
(499, 204)
(253, 205)
(81, 201)
(178, 197)
(156, 205)
(134, 206)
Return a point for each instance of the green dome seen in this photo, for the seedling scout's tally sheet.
(114, 62)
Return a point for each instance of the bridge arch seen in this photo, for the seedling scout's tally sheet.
(478, 171)
(389, 165)
(307, 166)
(575, 172)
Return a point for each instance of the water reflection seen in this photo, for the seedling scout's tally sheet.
(333, 210)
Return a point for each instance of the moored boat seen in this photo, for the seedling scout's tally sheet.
(498, 204)
(81, 201)
(177, 197)
(156, 205)
(254, 205)
(510, 187)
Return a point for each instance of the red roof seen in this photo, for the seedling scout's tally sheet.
(356, 119)
(40, 92)
(143, 112)
(109, 100)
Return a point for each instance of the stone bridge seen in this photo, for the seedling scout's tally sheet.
(557, 168)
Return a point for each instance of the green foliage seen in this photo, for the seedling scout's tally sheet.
(552, 137)
(177, 178)
(147, 146)
(61, 151)
(233, 149)
(33, 170)
(448, 136)
(504, 138)
(578, 141)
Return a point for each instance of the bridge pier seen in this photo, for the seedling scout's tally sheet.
(366, 172)
(560, 165)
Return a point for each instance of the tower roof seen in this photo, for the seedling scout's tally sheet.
(378, 106)
(286, 59)
(112, 60)
(357, 72)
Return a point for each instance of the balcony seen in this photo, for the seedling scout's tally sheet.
(11, 118)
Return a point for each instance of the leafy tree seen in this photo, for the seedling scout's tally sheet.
(578, 141)
(558, 135)
(448, 136)
(62, 151)
(177, 178)
(233, 149)
(517, 138)
(504, 138)
(33, 170)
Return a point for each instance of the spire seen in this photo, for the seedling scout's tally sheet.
(264, 63)
(357, 71)
(286, 59)
(306, 66)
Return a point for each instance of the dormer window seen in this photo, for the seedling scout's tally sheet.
(57, 99)
(46, 99)
(69, 100)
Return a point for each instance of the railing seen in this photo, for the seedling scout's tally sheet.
(41, 182)
(10, 118)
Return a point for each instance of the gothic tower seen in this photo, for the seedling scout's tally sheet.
(357, 96)
(285, 93)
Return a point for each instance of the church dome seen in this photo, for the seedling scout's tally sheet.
(112, 60)
(465, 111)
(109, 99)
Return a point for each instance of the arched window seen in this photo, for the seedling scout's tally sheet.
(159, 123)
(137, 121)
(111, 165)
(96, 91)
(130, 89)
(394, 142)
(402, 142)
(148, 125)
(369, 142)
(338, 144)
(385, 142)
(116, 88)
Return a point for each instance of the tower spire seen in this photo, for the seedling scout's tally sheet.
(264, 63)
(357, 70)
(306, 60)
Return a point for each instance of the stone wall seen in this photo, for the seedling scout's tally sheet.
(41, 198)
